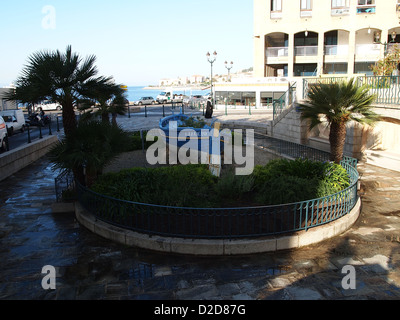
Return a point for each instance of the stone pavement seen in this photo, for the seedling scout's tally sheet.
(91, 268)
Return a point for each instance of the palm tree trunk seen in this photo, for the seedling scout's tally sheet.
(337, 138)
(114, 119)
(105, 117)
(69, 118)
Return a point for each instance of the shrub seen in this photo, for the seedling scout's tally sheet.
(284, 181)
(178, 186)
(233, 187)
(135, 141)
(192, 122)
(278, 182)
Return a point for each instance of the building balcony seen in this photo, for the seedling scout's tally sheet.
(306, 13)
(276, 15)
(275, 52)
(306, 51)
(344, 11)
(336, 50)
(368, 49)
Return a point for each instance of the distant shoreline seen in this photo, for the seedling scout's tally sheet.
(197, 88)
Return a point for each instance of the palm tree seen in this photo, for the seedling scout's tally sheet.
(118, 107)
(110, 99)
(62, 78)
(87, 150)
(337, 104)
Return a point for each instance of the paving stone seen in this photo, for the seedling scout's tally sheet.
(90, 267)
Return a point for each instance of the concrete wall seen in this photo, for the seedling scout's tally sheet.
(289, 127)
(19, 158)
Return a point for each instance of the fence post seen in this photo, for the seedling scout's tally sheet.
(50, 132)
(145, 111)
(142, 138)
(29, 134)
(40, 132)
(58, 125)
(7, 143)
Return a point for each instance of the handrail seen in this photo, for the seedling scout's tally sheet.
(385, 88)
(284, 101)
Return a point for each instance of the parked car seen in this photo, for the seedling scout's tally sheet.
(195, 100)
(15, 121)
(186, 100)
(3, 134)
(145, 101)
(48, 106)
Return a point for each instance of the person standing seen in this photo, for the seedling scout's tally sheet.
(209, 109)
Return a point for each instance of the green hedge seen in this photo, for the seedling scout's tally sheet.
(278, 182)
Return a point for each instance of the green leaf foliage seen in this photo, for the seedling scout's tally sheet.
(278, 182)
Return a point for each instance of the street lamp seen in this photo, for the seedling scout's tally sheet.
(229, 67)
(211, 60)
(377, 40)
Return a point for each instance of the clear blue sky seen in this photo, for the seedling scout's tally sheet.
(137, 42)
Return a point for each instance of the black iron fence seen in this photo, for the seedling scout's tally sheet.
(229, 223)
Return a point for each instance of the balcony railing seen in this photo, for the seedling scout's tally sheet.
(275, 52)
(385, 88)
(306, 13)
(306, 51)
(276, 15)
(344, 11)
(335, 50)
(368, 49)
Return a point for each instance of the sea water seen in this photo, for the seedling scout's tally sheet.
(135, 93)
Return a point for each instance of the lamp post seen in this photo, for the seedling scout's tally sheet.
(211, 60)
(229, 67)
(377, 40)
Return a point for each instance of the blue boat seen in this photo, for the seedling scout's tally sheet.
(175, 124)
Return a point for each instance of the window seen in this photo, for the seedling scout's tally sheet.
(305, 8)
(305, 4)
(340, 7)
(366, 6)
(340, 4)
(365, 2)
(276, 9)
(276, 5)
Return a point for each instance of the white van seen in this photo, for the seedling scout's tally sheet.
(15, 121)
(3, 134)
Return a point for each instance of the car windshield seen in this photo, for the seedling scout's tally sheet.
(7, 118)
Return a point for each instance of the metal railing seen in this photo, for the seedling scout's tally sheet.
(332, 50)
(274, 52)
(65, 186)
(285, 101)
(222, 223)
(306, 51)
(385, 88)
